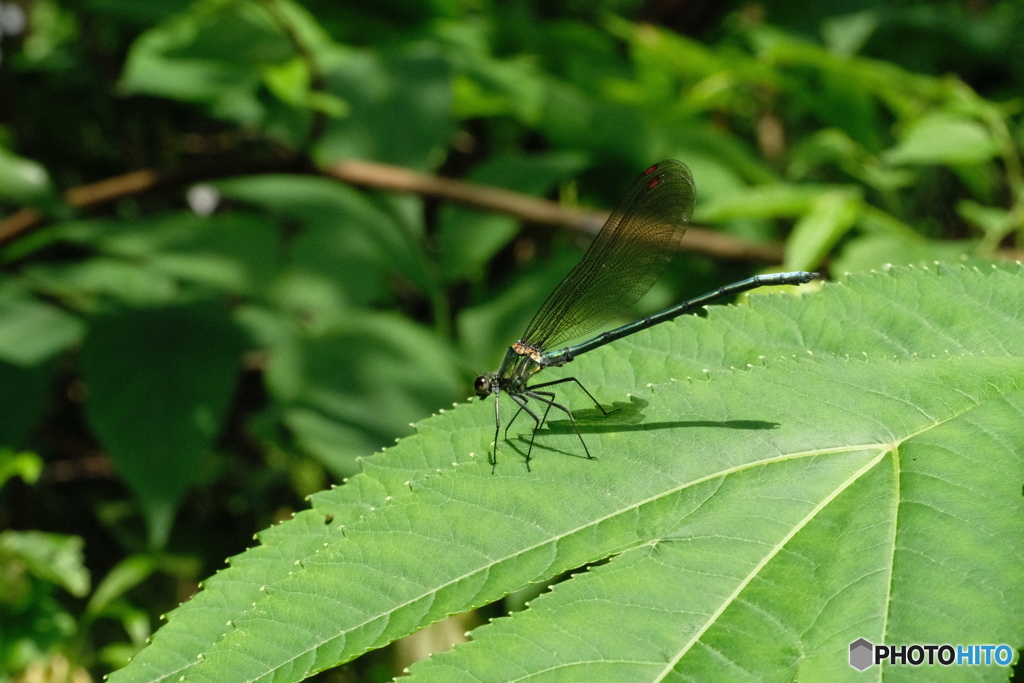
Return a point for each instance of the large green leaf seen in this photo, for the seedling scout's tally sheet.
(861, 478)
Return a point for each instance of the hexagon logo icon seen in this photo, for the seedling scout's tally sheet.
(861, 651)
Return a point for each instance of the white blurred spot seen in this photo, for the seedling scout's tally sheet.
(203, 199)
(12, 19)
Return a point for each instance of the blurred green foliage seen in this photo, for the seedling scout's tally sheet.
(190, 361)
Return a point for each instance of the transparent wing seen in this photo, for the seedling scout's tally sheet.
(624, 261)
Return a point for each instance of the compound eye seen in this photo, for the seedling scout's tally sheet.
(482, 385)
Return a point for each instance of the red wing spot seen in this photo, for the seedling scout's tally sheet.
(654, 183)
(651, 170)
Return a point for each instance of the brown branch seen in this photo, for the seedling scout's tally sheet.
(135, 182)
(398, 179)
(131, 184)
(24, 220)
(532, 209)
(20, 222)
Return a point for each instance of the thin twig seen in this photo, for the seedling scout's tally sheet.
(25, 220)
(132, 184)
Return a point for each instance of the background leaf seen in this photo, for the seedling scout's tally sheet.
(943, 139)
(34, 331)
(23, 180)
(189, 355)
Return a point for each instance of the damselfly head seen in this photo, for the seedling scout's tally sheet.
(482, 386)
